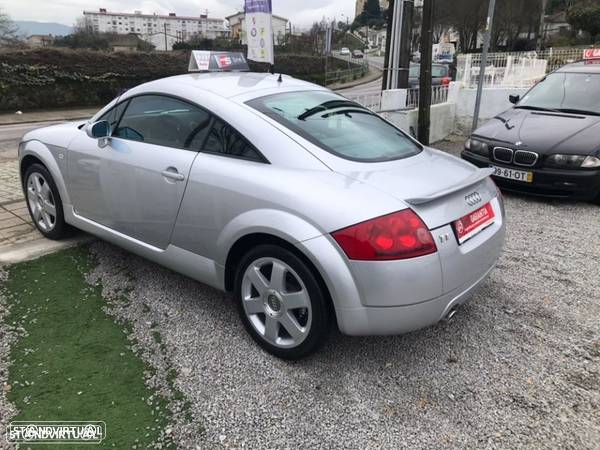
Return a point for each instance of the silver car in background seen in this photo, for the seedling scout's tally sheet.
(309, 208)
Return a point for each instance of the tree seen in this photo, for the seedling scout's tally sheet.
(371, 14)
(8, 30)
(555, 6)
(585, 15)
(317, 35)
(513, 18)
(83, 39)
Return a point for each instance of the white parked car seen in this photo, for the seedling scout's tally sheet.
(345, 51)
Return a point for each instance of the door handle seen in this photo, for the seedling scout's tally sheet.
(172, 174)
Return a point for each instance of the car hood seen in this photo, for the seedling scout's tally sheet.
(58, 135)
(433, 183)
(544, 132)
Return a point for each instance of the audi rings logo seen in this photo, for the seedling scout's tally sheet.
(473, 199)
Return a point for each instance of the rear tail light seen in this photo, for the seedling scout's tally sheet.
(400, 235)
(446, 81)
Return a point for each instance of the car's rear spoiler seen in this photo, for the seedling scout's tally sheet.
(477, 176)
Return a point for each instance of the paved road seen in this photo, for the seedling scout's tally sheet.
(10, 135)
(373, 87)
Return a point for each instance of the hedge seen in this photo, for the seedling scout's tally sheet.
(59, 78)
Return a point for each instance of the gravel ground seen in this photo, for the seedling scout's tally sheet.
(518, 368)
(8, 335)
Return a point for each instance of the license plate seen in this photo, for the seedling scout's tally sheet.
(512, 174)
(468, 226)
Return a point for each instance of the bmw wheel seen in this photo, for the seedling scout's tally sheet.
(281, 302)
(44, 203)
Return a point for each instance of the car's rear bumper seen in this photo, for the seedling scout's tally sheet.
(396, 297)
(554, 183)
(403, 319)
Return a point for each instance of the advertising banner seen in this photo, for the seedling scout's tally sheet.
(444, 52)
(207, 61)
(591, 54)
(259, 30)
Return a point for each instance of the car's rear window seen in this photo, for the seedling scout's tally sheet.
(337, 125)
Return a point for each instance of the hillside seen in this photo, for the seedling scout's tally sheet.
(29, 27)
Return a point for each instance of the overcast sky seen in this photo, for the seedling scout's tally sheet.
(301, 12)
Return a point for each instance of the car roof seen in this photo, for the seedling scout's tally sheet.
(233, 84)
(592, 66)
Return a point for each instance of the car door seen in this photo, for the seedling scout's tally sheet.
(135, 184)
(218, 189)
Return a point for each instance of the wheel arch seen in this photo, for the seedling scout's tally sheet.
(245, 243)
(35, 152)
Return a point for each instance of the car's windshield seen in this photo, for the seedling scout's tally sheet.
(568, 92)
(337, 125)
(437, 71)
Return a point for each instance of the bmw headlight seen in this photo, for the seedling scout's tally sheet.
(478, 147)
(572, 162)
(591, 162)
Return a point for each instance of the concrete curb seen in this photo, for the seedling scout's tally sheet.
(39, 247)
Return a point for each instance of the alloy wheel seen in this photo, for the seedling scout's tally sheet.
(276, 302)
(41, 202)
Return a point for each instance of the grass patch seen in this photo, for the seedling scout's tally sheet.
(75, 362)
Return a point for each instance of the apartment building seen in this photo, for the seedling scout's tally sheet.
(161, 30)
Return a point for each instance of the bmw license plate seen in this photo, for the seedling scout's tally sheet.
(473, 223)
(512, 174)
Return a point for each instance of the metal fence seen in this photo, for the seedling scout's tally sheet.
(439, 95)
(372, 101)
(514, 69)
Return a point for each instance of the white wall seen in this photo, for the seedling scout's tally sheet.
(493, 102)
(453, 117)
(442, 121)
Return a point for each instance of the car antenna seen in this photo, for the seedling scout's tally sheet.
(280, 79)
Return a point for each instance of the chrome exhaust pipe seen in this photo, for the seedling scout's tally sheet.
(450, 314)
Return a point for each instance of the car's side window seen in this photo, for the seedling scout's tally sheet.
(223, 139)
(165, 121)
(114, 115)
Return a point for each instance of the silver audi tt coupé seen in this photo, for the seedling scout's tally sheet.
(309, 208)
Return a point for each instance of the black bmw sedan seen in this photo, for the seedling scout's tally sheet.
(548, 144)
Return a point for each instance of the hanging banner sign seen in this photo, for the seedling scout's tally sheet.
(443, 53)
(259, 30)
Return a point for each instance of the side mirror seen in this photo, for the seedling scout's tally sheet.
(99, 130)
(514, 99)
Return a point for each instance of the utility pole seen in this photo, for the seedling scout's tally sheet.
(542, 29)
(387, 59)
(398, 44)
(425, 78)
(484, 55)
(165, 27)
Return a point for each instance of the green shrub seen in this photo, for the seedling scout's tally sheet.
(58, 78)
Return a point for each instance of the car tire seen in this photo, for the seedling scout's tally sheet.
(44, 203)
(281, 302)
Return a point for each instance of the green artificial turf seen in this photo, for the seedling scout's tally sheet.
(75, 362)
